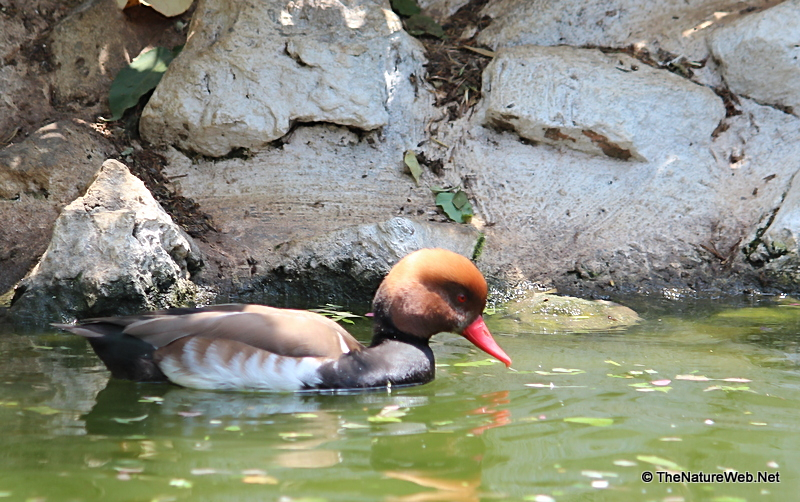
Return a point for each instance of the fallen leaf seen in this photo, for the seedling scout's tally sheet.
(129, 420)
(180, 483)
(599, 474)
(692, 378)
(741, 388)
(661, 462)
(43, 410)
(655, 389)
(484, 362)
(260, 479)
(295, 435)
(203, 471)
(551, 385)
(351, 425)
(419, 24)
(478, 50)
(141, 76)
(411, 162)
(460, 214)
(560, 371)
(406, 7)
(391, 413)
(594, 421)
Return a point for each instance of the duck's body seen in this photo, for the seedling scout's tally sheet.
(257, 347)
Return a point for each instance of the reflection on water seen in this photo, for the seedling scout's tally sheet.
(703, 389)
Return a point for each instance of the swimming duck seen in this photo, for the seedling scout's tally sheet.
(238, 346)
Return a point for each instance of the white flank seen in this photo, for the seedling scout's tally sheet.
(342, 344)
(261, 370)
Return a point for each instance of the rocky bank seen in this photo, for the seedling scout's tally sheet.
(606, 148)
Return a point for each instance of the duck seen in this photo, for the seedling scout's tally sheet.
(257, 347)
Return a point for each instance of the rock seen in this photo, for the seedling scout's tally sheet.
(441, 10)
(593, 222)
(534, 312)
(324, 178)
(347, 266)
(97, 40)
(252, 69)
(113, 251)
(610, 105)
(775, 247)
(38, 177)
(24, 64)
(759, 55)
(671, 32)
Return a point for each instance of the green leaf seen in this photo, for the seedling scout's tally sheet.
(485, 362)
(462, 214)
(141, 76)
(597, 422)
(419, 24)
(410, 159)
(560, 371)
(335, 313)
(381, 419)
(661, 462)
(295, 435)
(43, 410)
(180, 483)
(460, 200)
(406, 7)
(391, 413)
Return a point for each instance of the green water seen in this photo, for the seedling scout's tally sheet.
(478, 432)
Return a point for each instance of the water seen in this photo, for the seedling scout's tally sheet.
(650, 398)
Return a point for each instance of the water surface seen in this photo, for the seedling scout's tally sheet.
(695, 387)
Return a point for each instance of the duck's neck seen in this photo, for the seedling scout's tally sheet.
(393, 358)
(384, 329)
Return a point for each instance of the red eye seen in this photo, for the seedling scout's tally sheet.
(461, 298)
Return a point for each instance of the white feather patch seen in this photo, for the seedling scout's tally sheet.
(260, 370)
(343, 344)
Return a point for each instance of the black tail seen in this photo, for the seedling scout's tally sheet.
(127, 357)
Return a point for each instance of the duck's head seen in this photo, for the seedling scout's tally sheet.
(432, 291)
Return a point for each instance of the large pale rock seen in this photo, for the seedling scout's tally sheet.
(252, 69)
(114, 250)
(38, 177)
(672, 32)
(610, 105)
(759, 55)
(347, 265)
(324, 178)
(596, 222)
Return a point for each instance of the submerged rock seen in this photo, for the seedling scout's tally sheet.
(549, 313)
(113, 251)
